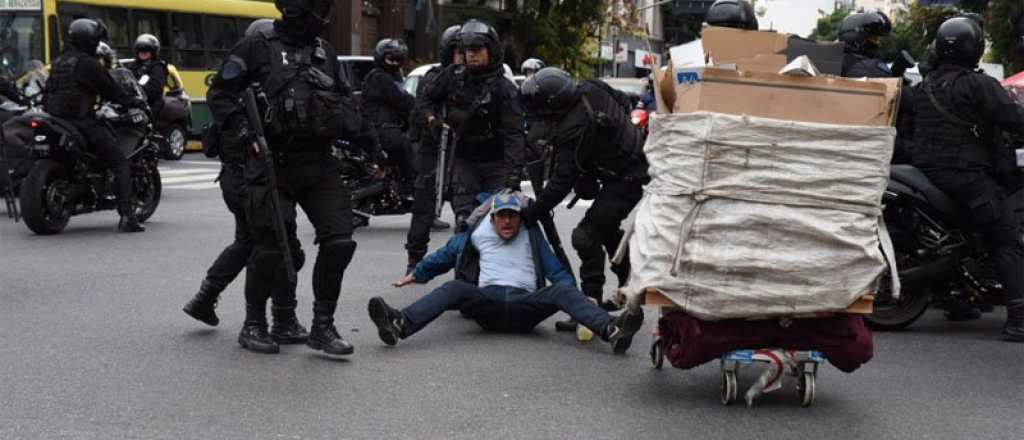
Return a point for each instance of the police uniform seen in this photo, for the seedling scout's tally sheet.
(152, 76)
(425, 186)
(596, 142)
(960, 157)
(388, 107)
(310, 106)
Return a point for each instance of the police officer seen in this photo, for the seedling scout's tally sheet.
(106, 55)
(531, 66)
(958, 112)
(150, 71)
(387, 106)
(426, 124)
(599, 153)
(861, 35)
(738, 14)
(76, 81)
(286, 328)
(309, 107)
(487, 121)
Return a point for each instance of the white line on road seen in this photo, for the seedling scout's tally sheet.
(194, 186)
(188, 179)
(181, 172)
(214, 164)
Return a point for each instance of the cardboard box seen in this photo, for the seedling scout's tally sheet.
(822, 99)
(728, 45)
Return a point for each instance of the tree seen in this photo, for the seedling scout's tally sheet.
(916, 32)
(828, 26)
(1006, 29)
(561, 32)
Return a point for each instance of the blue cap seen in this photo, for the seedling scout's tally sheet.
(504, 202)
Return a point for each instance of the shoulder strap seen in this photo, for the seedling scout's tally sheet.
(949, 116)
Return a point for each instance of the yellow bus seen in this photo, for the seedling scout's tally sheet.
(195, 35)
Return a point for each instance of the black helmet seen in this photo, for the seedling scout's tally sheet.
(258, 26)
(531, 66)
(737, 14)
(104, 51)
(449, 44)
(390, 48)
(550, 91)
(856, 30)
(961, 41)
(475, 33)
(321, 10)
(85, 34)
(147, 43)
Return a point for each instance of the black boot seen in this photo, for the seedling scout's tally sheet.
(621, 330)
(254, 336)
(440, 225)
(128, 222)
(390, 322)
(286, 328)
(415, 256)
(1014, 329)
(202, 306)
(323, 335)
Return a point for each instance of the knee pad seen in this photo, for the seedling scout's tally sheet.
(337, 252)
(584, 240)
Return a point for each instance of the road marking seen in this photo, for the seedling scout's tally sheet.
(189, 179)
(181, 172)
(195, 186)
(199, 162)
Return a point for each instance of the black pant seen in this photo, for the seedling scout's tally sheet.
(394, 142)
(992, 217)
(424, 199)
(316, 186)
(599, 232)
(469, 179)
(103, 143)
(235, 256)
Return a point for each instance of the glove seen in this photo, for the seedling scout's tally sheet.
(514, 183)
(531, 215)
(138, 102)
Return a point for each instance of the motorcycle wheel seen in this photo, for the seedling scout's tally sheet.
(176, 140)
(889, 314)
(147, 188)
(42, 199)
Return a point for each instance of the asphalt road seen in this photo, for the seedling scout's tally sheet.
(95, 346)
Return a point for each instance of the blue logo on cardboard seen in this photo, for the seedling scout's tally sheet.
(687, 78)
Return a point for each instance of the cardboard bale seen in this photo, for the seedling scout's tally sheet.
(728, 45)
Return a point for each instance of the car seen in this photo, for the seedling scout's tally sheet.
(355, 68)
(412, 80)
(631, 86)
(174, 122)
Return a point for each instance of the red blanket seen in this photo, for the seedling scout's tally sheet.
(843, 339)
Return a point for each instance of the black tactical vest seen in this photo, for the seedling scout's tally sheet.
(939, 140)
(301, 90)
(612, 146)
(474, 111)
(66, 97)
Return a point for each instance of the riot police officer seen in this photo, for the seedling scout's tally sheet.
(308, 106)
(531, 66)
(387, 105)
(150, 71)
(487, 121)
(738, 14)
(598, 153)
(286, 328)
(106, 55)
(426, 121)
(958, 113)
(76, 81)
(861, 35)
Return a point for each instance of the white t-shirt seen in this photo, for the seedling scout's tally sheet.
(505, 263)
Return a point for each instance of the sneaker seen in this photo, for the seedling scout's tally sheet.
(622, 329)
(390, 323)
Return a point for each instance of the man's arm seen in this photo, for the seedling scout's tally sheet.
(511, 132)
(996, 105)
(442, 260)
(391, 92)
(94, 76)
(226, 88)
(566, 172)
(554, 271)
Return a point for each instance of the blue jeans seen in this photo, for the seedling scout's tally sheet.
(505, 309)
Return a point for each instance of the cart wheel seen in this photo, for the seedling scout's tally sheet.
(657, 354)
(728, 387)
(805, 389)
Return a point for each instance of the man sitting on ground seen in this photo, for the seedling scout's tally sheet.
(500, 271)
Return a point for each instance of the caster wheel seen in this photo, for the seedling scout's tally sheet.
(805, 389)
(728, 387)
(657, 354)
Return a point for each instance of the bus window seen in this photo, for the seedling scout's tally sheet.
(155, 23)
(21, 41)
(115, 19)
(187, 41)
(222, 34)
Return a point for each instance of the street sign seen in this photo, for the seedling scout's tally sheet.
(645, 60)
(21, 5)
(622, 55)
(606, 52)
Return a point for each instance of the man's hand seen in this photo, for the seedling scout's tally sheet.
(405, 281)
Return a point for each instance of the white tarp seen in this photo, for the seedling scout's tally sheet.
(750, 217)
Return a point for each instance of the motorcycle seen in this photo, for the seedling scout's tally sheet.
(940, 260)
(67, 180)
(376, 191)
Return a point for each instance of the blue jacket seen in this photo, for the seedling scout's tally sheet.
(460, 254)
